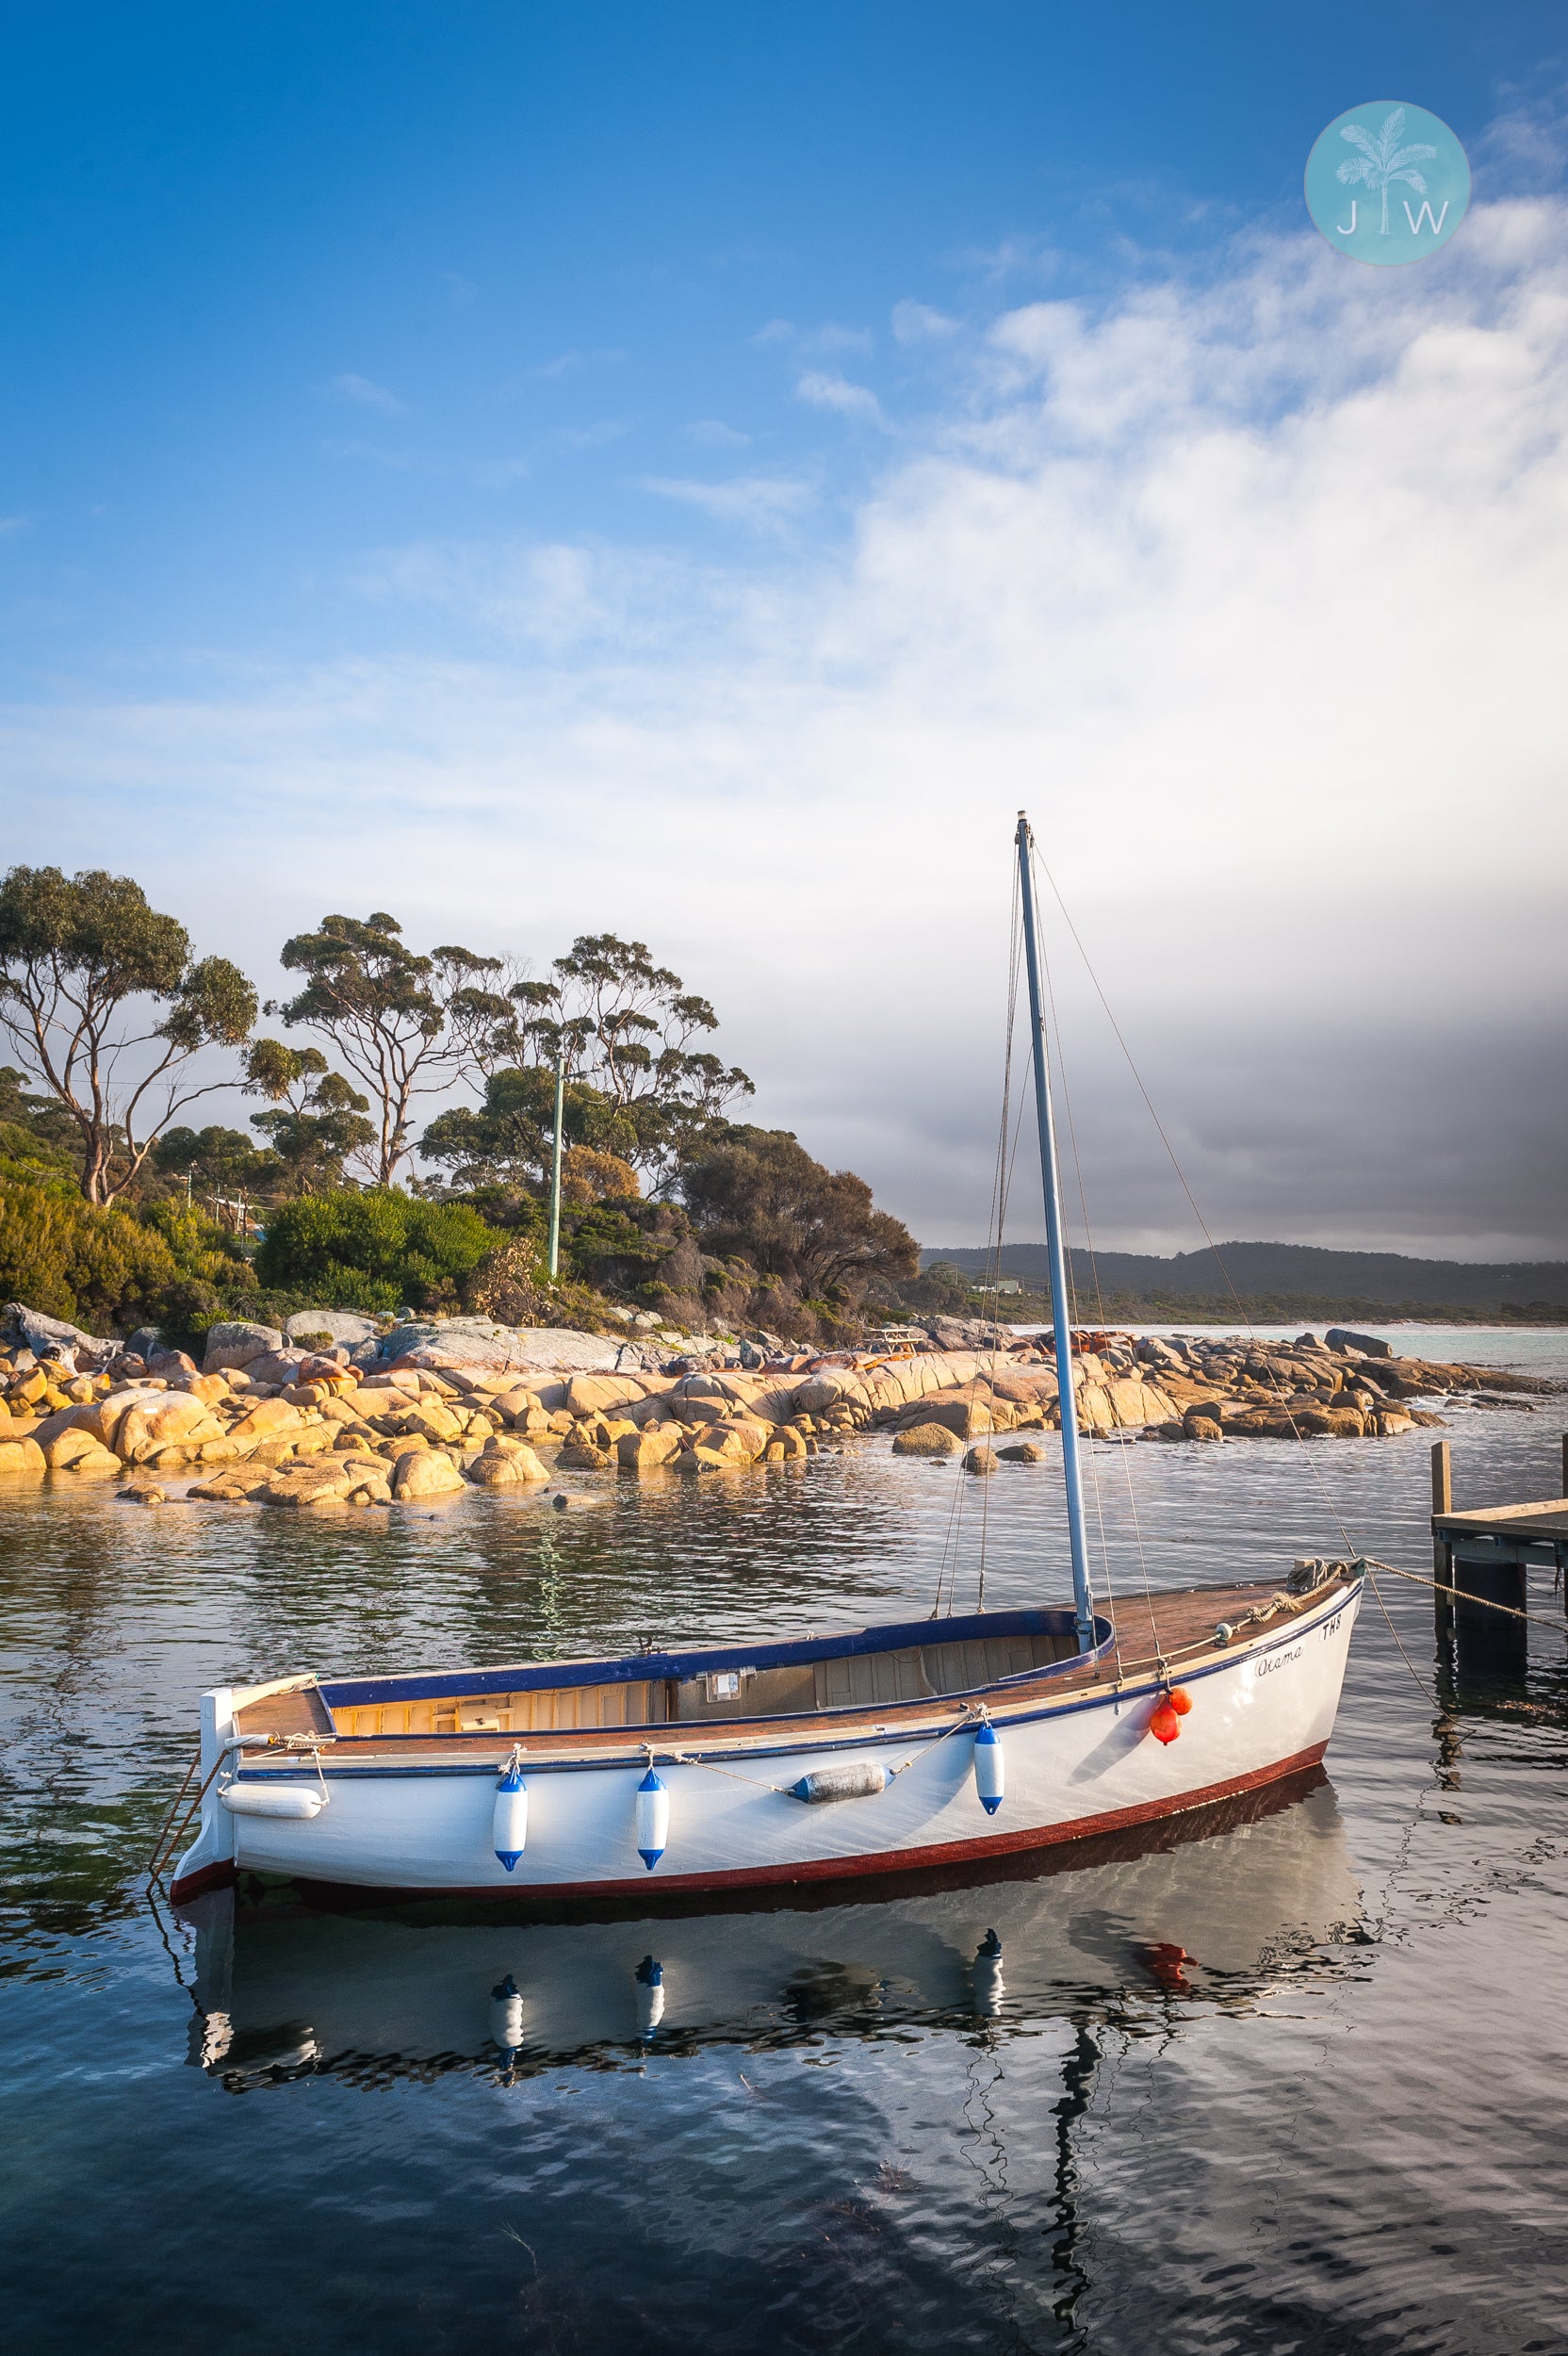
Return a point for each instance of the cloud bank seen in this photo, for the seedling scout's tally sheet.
(1250, 587)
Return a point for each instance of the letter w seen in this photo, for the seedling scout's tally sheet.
(1415, 220)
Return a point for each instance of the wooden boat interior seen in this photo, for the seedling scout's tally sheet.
(915, 1661)
(800, 1679)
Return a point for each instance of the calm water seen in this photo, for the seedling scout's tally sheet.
(1294, 2085)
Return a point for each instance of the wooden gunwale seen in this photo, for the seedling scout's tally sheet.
(1182, 1619)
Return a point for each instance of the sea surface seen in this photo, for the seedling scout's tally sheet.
(1289, 2080)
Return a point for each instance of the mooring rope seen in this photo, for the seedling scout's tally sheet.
(157, 1860)
(1459, 1595)
(163, 1848)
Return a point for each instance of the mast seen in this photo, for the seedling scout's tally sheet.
(1050, 1180)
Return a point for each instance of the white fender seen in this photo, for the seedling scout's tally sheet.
(858, 1780)
(299, 1801)
(509, 1818)
(653, 1818)
(990, 1779)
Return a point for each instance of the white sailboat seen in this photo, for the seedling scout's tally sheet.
(878, 1752)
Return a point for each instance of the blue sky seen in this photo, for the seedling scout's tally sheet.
(286, 282)
(447, 428)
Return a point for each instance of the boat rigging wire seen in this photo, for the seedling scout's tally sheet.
(1373, 1564)
(998, 1208)
(1100, 1303)
(1330, 1507)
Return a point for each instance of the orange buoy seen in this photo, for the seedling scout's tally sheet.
(1180, 1702)
(1165, 1725)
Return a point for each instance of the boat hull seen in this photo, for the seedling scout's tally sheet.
(1077, 1766)
(1219, 1904)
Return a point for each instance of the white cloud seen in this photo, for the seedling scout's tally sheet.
(1015, 257)
(917, 323)
(1248, 587)
(364, 395)
(830, 337)
(716, 434)
(762, 502)
(821, 391)
(1526, 144)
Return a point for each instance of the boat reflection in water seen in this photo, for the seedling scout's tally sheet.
(1220, 1904)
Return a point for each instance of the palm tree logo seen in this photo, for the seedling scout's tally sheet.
(1381, 161)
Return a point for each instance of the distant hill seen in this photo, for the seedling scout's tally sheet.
(1339, 1282)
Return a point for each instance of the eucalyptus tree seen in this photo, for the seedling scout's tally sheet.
(107, 1008)
(627, 1029)
(405, 1024)
(507, 1141)
(1381, 162)
(215, 1161)
(317, 1119)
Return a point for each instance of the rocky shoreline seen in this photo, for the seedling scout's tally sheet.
(433, 1408)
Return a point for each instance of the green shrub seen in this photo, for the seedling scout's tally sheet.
(68, 1259)
(373, 1250)
(201, 1249)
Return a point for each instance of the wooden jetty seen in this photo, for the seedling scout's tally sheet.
(1483, 1557)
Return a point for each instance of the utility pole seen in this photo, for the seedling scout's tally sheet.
(555, 1162)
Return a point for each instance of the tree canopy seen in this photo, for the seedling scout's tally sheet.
(626, 1029)
(317, 1121)
(217, 1161)
(508, 1139)
(756, 1192)
(405, 1024)
(86, 965)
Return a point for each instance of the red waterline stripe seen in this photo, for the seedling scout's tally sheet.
(834, 1869)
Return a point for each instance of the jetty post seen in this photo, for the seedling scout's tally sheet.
(1481, 1557)
(1442, 1553)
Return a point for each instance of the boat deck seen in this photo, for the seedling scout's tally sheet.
(1173, 1629)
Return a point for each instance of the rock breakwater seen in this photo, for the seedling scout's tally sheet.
(272, 1422)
